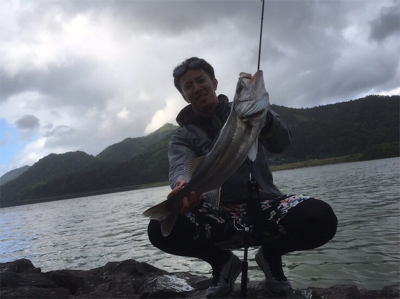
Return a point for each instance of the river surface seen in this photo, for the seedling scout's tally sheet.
(88, 232)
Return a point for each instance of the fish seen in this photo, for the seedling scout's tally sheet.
(237, 140)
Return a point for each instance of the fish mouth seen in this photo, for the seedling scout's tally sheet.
(245, 76)
(247, 80)
(248, 76)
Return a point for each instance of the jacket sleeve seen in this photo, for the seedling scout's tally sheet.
(179, 151)
(276, 134)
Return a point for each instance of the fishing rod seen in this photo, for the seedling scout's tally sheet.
(253, 204)
(259, 47)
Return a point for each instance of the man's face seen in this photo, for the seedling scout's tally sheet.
(199, 89)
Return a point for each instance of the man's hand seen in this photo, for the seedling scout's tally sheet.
(190, 202)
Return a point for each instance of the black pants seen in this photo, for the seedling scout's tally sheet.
(310, 224)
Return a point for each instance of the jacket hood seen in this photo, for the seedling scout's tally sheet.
(187, 115)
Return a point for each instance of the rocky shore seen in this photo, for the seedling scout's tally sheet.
(132, 279)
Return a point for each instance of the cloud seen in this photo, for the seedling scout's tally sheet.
(96, 72)
(395, 91)
(27, 122)
(166, 115)
(387, 24)
(32, 152)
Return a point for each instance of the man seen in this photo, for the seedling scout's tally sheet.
(289, 222)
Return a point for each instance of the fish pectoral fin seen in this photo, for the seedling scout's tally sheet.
(259, 105)
(212, 197)
(253, 150)
(191, 165)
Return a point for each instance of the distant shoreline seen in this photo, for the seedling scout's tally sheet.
(69, 196)
(316, 162)
(286, 166)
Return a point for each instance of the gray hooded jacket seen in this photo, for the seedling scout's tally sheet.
(196, 136)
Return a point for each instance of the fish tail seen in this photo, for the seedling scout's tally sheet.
(166, 212)
(157, 212)
(167, 224)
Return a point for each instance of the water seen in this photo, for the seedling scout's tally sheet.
(85, 233)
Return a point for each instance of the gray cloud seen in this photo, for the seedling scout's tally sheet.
(387, 24)
(70, 85)
(27, 122)
(97, 72)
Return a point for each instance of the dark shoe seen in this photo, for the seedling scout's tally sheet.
(225, 278)
(275, 282)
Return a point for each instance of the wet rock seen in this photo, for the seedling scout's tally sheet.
(132, 279)
(352, 291)
(20, 279)
(391, 291)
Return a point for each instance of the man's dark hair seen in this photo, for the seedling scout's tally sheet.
(191, 64)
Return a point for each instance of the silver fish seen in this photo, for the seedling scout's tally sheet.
(237, 139)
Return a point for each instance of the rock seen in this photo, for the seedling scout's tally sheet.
(32, 292)
(391, 291)
(352, 291)
(132, 279)
(115, 279)
(20, 279)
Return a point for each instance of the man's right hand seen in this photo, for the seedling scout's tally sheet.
(190, 202)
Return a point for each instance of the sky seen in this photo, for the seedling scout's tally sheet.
(85, 74)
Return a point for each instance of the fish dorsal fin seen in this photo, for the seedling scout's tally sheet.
(212, 197)
(191, 166)
(253, 150)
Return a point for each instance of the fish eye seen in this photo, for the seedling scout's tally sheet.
(239, 88)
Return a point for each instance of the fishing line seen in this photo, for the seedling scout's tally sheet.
(259, 47)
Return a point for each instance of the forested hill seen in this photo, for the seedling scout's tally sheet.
(132, 147)
(77, 172)
(342, 128)
(366, 128)
(13, 174)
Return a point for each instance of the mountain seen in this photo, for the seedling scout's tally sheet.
(132, 147)
(43, 171)
(150, 166)
(366, 128)
(13, 174)
(343, 128)
(58, 175)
